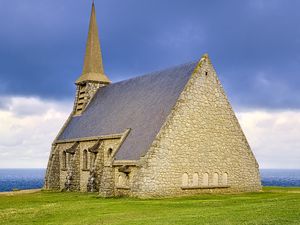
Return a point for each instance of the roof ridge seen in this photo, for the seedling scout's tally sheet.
(155, 72)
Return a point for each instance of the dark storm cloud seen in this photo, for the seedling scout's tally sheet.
(253, 44)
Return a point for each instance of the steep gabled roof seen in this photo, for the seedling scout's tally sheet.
(142, 104)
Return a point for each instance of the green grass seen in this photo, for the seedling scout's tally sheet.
(272, 206)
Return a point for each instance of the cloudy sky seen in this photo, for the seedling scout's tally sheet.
(254, 45)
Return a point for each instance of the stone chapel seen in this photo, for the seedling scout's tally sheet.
(167, 133)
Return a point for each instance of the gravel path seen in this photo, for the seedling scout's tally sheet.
(9, 193)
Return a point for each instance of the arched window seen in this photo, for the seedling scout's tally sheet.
(195, 179)
(205, 179)
(216, 179)
(92, 159)
(185, 180)
(120, 180)
(85, 160)
(64, 160)
(225, 179)
(109, 152)
(68, 156)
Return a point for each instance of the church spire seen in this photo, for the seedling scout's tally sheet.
(93, 67)
(92, 77)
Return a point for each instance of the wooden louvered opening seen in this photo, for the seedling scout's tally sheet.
(82, 96)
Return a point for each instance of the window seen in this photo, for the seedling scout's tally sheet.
(109, 152)
(216, 179)
(85, 160)
(205, 179)
(225, 179)
(195, 179)
(123, 180)
(68, 157)
(185, 180)
(92, 159)
(120, 181)
(64, 160)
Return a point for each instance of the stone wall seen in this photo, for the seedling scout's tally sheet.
(72, 164)
(200, 149)
(53, 170)
(57, 172)
(84, 94)
(125, 182)
(201, 138)
(109, 148)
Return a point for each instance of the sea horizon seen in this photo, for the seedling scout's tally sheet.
(32, 178)
(33, 168)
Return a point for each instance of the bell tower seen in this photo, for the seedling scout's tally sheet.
(92, 77)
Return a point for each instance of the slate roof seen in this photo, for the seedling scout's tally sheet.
(142, 104)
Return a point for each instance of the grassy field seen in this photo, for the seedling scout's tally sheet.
(272, 206)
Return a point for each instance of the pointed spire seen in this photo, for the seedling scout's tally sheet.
(93, 66)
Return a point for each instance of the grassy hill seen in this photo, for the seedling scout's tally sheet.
(272, 206)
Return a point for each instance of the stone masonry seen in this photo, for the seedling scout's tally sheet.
(201, 137)
(188, 141)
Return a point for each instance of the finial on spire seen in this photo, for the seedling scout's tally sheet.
(93, 66)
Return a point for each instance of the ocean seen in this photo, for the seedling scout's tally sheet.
(34, 178)
(280, 177)
(21, 179)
